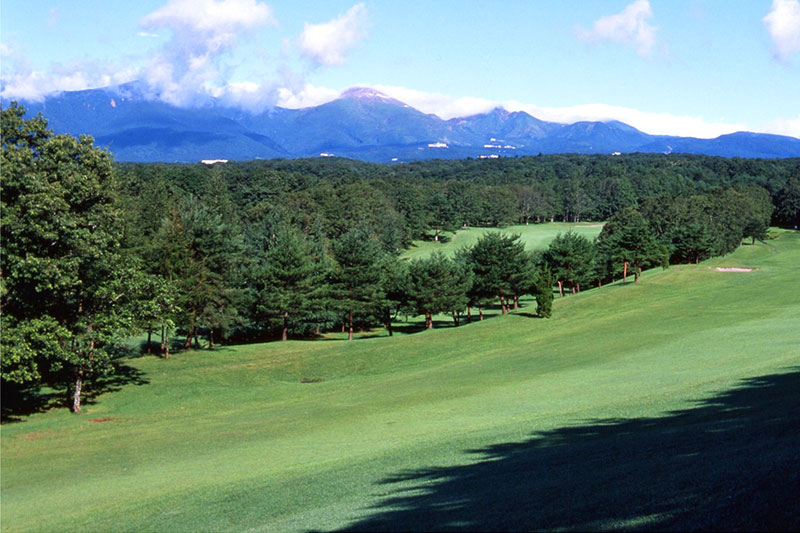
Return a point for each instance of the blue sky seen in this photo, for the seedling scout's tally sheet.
(684, 67)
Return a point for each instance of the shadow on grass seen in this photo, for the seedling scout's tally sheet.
(18, 403)
(730, 463)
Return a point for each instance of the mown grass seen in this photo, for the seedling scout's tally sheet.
(535, 237)
(668, 404)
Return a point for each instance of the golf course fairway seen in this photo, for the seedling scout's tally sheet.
(673, 403)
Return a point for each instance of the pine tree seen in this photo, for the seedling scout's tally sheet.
(355, 283)
(628, 242)
(198, 253)
(501, 268)
(571, 259)
(287, 277)
(543, 291)
(438, 285)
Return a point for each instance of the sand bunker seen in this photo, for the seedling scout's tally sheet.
(734, 269)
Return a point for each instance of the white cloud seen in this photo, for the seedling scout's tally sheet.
(648, 122)
(213, 19)
(630, 27)
(188, 68)
(306, 96)
(441, 105)
(783, 25)
(784, 126)
(21, 82)
(328, 43)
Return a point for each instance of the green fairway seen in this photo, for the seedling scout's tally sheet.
(534, 236)
(671, 404)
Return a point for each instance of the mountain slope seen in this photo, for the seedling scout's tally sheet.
(361, 124)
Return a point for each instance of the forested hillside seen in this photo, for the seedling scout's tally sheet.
(448, 194)
(95, 252)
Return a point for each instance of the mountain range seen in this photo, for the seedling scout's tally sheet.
(361, 124)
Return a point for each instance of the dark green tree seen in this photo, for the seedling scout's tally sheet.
(570, 258)
(66, 287)
(501, 268)
(787, 202)
(543, 291)
(627, 242)
(199, 252)
(355, 282)
(394, 278)
(287, 277)
(438, 284)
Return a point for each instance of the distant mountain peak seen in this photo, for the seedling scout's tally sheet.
(366, 93)
(363, 123)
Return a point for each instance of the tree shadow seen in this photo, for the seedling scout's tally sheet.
(730, 463)
(21, 402)
(122, 375)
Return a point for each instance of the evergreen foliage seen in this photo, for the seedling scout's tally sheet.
(438, 284)
(570, 258)
(627, 241)
(355, 282)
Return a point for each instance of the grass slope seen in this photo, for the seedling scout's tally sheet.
(535, 237)
(671, 404)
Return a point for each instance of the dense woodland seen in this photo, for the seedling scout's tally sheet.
(95, 252)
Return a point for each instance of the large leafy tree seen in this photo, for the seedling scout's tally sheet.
(65, 284)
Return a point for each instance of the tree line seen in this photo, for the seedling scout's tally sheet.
(94, 252)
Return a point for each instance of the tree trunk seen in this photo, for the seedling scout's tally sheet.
(166, 345)
(285, 333)
(502, 304)
(196, 339)
(516, 302)
(469, 315)
(480, 313)
(188, 343)
(149, 337)
(560, 288)
(350, 332)
(624, 271)
(428, 321)
(436, 235)
(76, 394)
(162, 338)
(578, 286)
(389, 322)
(210, 338)
(636, 274)
(455, 318)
